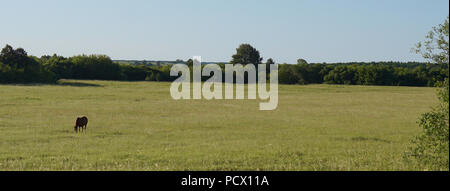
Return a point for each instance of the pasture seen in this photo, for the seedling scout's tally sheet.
(137, 126)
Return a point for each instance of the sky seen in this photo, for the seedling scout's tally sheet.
(285, 30)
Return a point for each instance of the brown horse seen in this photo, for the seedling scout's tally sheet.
(81, 123)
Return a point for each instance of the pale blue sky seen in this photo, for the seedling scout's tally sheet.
(317, 30)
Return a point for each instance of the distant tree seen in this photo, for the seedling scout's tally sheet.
(341, 74)
(190, 63)
(158, 77)
(45, 57)
(301, 61)
(270, 61)
(6, 73)
(14, 58)
(59, 65)
(7, 55)
(150, 77)
(288, 74)
(134, 73)
(99, 67)
(246, 54)
(16, 66)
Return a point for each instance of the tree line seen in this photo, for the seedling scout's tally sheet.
(16, 66)
(376, 73)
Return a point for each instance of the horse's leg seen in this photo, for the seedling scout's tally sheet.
(76, 129)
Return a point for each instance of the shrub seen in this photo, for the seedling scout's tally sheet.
(431, 148)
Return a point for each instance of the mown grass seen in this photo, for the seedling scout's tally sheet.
(137, 126)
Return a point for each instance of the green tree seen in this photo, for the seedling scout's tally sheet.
(59, 65)
(6, 73)
(18, 67)
(268, 63)
(190, 63)
(431, 148)
(246, 54)
(435, 46)
(17, 58)
(99, 67)
(301, 61)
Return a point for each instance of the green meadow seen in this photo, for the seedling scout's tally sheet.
(138, 126)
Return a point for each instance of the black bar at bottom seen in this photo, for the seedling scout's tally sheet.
(234, 180)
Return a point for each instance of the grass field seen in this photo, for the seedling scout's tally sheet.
(137, 126)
